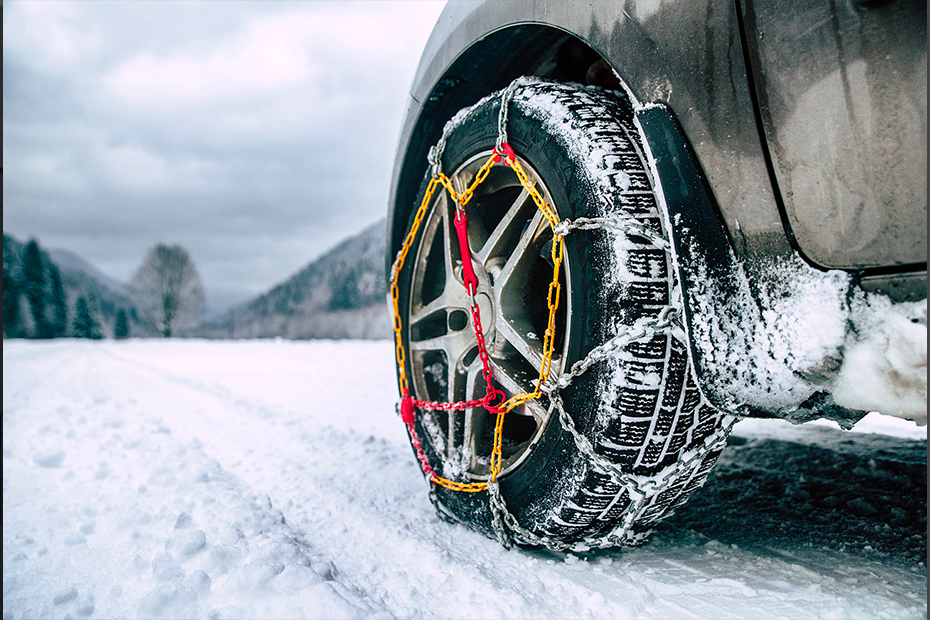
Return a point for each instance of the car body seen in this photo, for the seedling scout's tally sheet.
(792, 132)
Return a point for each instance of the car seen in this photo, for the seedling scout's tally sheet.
(615, 229)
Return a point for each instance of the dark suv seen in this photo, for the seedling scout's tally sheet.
(615, 228)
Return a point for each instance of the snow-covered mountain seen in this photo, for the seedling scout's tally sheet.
(339, 295)
(71, 262)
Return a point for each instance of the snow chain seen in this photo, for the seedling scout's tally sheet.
(639, 489)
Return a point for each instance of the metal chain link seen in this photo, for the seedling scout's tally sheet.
(502, 115)
(627, 225)
(643, 329)
(434, 156)
(638, 489)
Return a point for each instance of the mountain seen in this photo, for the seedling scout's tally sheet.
(81, 278)
(71, 262)
(339, 295)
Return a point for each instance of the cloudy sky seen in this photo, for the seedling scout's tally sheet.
(255, 134)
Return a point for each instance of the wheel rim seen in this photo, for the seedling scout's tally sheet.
(510, 242)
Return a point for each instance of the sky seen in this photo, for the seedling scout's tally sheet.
(255, 134)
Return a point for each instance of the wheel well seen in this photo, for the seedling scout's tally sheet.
(488, 65)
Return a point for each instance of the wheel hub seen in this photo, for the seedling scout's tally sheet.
(508, 239)
(486, 313)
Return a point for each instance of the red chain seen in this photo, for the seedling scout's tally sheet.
(434, 406)
(407, 404)
(490, 392)
(407, 415)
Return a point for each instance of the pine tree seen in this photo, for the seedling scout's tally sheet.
(85, 323)
(12, 288)
(59, 303)
(121, 329)
(35, 288)
(345, 294)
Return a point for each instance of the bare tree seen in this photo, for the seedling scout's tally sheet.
(167, 288)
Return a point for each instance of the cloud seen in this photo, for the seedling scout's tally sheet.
(269, 56)
(320, 47)
(48, 32)
(256, 134)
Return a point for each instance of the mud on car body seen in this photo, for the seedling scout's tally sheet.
(776, 155)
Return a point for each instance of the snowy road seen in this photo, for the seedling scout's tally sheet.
(272, 479)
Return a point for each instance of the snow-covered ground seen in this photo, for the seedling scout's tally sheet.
(273, 479)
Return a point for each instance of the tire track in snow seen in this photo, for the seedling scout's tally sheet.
(325, 564)
(186, 537)
(383, 500)
(389, 509)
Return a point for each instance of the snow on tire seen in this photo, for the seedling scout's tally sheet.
(651, 435)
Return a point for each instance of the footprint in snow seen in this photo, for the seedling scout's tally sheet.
(199, 581)
(87, 606)
(186, 544)
(168, 600)
(164, 568)
(49, 458)
(75, 539)
(65, 596)
(184, 521)
(257, 576)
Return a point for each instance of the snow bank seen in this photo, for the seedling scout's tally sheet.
(778, 331)
(885, 364)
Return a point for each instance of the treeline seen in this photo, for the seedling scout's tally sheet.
(338, 295)
(36, 303)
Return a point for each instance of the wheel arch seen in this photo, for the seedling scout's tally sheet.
(478, 51)
(489, 64)
(689, 60)
(547, 51)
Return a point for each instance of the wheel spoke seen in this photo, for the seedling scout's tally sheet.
(455, 382)
(474, 420)
(528, 348)
(449, 302)
(511, 224)
(520, 261)
(461, 179)
(450, 247)
(455, 344)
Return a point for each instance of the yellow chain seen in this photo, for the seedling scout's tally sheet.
(395, 290)
(553, 294)
(552, 302)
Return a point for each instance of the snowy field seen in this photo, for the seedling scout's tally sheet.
(273, 479)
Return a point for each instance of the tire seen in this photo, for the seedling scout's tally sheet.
(641, 409)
